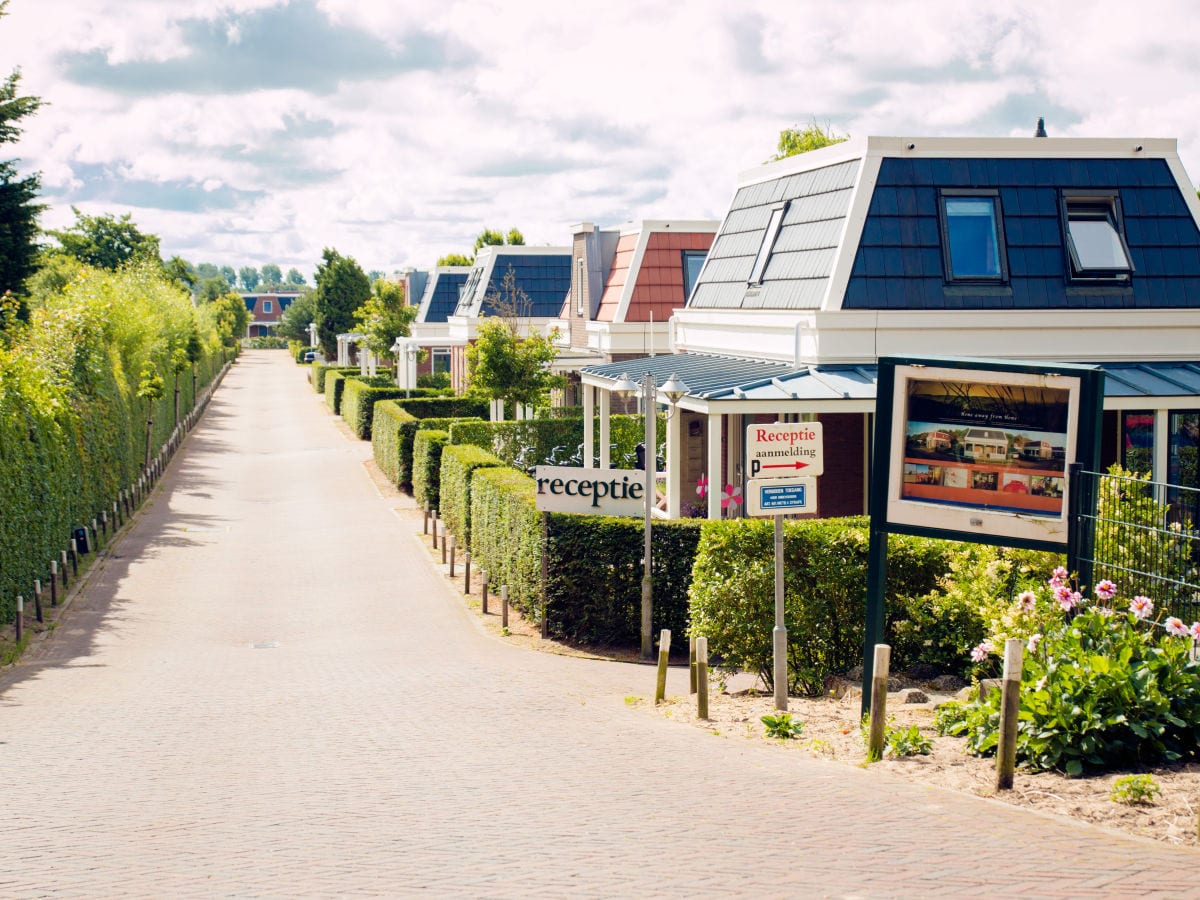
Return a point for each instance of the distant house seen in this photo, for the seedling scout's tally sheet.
(1037, 450)
(435, 292)
(937, 440)
(265, 311)
(1071, 250)
(985, 445)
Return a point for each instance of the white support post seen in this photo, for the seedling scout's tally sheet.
(589, 425)
(713, 467)
(605, 430)
(674, 462)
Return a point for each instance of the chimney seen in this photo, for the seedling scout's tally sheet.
(1041, 129)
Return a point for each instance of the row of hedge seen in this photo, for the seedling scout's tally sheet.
(359, 396)
(395, 424)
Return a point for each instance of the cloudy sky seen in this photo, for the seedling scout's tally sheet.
(252, 131)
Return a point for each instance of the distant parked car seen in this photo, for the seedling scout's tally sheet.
(310, 356)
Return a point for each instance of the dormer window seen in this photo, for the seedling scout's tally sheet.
(768, 243)
(267, 306)
(973, 237)
(1094, 233)
(693, 262)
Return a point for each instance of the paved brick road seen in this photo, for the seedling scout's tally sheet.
(268, 692)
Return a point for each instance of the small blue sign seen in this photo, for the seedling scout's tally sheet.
(787, 496)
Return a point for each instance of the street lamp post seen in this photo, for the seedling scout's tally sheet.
(674, 389)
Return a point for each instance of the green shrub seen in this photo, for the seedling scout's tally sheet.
(427, 466)
(782, 726)
(454, 493)
(534, 442)
(506, 535)
(297, 349)
(594, 568)
(335, 386)
(392, 431)
(558, 412)
(265, 342)
(732, 597)
(437, 380)
(1099, 692)
(901, 742)
(358, 404)
(436, 407)
(320, 371)
(1135, 790)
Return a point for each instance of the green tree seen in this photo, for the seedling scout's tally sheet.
(211, 289)
(515, 237)
(18, 209)
(150, 388)
(232, 318)
(271, 275)
(293, 324)
(229, 275)
(249, 277)
(208, 270)
(294, 276)
(374, 275)
(342, 287)
(55, 270)
(180, 271)
(106, 242)
(455, 259)
(814, 136)
(384, 317)
(489, 237)
(501, 365)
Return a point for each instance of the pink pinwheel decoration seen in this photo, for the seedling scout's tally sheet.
(702, 485)
(732, 497)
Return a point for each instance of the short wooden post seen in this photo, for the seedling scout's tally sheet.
(435, 529)
(116, 516)
(879, 685)
(96, 534)
(54, 582)
(74, 557)
(692, 664)
(20, 622)
(425, 518)
(1010, 707)
(453, 546)
(104, 521)
(664, 652)
(702, 678)
(64, 568)
(483, 591)
(466, 571)
(445, 541)
(504, 606)
(37, 600)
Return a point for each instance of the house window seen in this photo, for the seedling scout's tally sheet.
(1137, 441)
(768, 244)
(693, 261)
(266, 306)
(1094, 234)
(973, 237)
(579, 289)
(441, 361)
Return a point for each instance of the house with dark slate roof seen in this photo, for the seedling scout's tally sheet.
(1066, 250)
(435, 293)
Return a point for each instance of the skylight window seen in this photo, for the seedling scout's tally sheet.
(1095, 239)
(693, 262)
(973, 237)
(768, 244)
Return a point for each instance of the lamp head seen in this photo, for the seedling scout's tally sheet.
(625, 386)
(675, 389)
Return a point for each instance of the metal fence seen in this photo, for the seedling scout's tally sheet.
(1143, 537)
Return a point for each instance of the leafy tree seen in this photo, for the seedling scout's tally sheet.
(106, 242)
(813, 136)
(515, 237)
(489, 237)
(374, 275)
(455, 259)
(271, 274)
(293, 324)
(229, 275)
(181, 272)
(55, 270)
(232, 318)
(249, 277)
(342, 287)
(150, 388)
(294, 276)
(18, 211)
(208, 270)
(384, 317)
(211, 289)
(503, 366)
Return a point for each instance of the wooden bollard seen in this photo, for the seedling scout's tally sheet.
(504, 606)
(692, 664)
(879, 686)
(466, 571)
(452, 543)
(1010, 708)
(445, 542)
(116, 516)
(96, 534)
(53, 582)
(37, 600)
(435, 529)
(64, 568)
(483, 589)
(20, 622)
(664, 652)
(74, 557)
(702, 678)
(424, 518)
(104, 521)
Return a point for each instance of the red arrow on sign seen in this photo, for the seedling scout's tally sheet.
(796, 465)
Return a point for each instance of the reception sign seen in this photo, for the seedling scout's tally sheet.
(597, 492)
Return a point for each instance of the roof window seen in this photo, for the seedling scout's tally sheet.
(768, 244)
(973, 237)
(1095, 237)
(693, 262)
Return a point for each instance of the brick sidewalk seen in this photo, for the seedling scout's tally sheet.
(267, 690)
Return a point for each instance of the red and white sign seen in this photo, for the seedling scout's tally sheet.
(785, 449)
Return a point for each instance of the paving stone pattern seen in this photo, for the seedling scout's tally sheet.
(267, 690)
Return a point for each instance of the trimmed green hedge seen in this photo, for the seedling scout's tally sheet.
(435, 407)
(534, 442)
(335, 385)
(458, 462)
(594, 577)
(360, 395)
(733, 592)
(320, 371)
(427, 466)
(558, 412)
(506, 535)
(393, 429)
